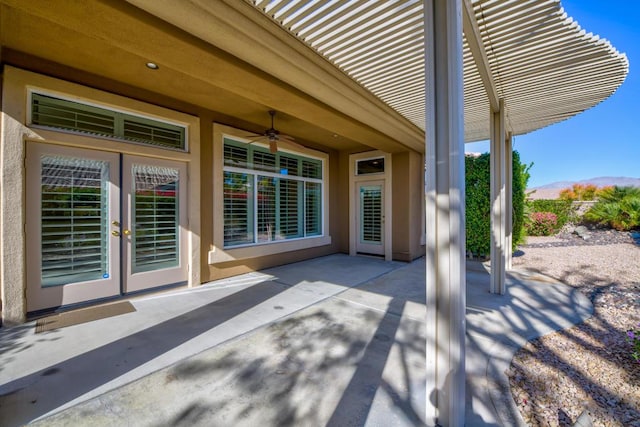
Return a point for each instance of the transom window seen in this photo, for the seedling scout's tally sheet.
(57, 113)
(370, 166)
(270, 196)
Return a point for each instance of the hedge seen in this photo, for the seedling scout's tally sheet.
(478, 202)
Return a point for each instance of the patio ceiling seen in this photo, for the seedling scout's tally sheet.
(529, 53)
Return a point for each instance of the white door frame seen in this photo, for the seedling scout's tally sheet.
(354, 197)
(120, 185)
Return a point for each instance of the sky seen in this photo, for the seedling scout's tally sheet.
(604, 140)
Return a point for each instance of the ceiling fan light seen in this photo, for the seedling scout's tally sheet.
(273, 146)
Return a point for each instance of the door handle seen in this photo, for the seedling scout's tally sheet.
(115, 233)
(126, 232)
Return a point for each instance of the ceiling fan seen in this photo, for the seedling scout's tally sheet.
(273, 136)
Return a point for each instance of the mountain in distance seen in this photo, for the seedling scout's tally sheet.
(601, 181)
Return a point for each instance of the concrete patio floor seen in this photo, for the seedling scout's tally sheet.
(335, 341)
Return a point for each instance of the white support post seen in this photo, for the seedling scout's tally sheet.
(445, 232)
(508, 150)
(498, 201)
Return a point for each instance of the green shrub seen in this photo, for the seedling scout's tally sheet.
(616, 207)
(478, 202)
(563, 210)
(520, 180)
(542, 224)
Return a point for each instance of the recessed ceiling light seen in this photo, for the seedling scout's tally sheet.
(335, 135)
(152, 65)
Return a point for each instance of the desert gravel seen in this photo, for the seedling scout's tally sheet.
(586, 368)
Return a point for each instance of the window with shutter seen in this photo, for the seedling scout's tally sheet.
(313, 198)
(62, 114)
(238, 209)
(286, 203)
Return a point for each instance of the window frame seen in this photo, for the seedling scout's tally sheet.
(255, 175)
(121, 115)
(219, 253)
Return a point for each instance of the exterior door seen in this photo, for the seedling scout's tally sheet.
(153, 230)
(92, 234)
(370, 218)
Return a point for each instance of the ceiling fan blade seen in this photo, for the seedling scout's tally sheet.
(289, 141)
(252, 136)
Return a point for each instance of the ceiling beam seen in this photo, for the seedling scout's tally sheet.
(474, 40)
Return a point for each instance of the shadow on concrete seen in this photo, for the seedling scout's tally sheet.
(355, 359)
(12, 343)
(34, 395)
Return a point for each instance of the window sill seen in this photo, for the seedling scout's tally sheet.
(220, 255)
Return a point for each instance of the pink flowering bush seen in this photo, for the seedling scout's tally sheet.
(542, 224)
(633, 337)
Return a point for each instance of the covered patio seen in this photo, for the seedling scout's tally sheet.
(333, 341)
(411, 80)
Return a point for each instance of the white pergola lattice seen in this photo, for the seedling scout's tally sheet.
(531, 54)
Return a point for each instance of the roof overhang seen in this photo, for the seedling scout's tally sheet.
(528, 53)
(355, 69)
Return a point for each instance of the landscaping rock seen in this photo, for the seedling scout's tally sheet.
(582, 232)
(587, 370)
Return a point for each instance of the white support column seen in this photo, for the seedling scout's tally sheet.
(445, 233)
(508, 150)
(498, 201)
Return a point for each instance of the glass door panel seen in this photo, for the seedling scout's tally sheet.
(155, 215)
(154, 231)
(74, 213)
(73, 199)
(370, 218)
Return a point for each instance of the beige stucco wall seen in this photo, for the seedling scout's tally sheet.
(408, 190)
(201, 160)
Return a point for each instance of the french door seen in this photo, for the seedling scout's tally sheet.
(370, 218)
(101, 224)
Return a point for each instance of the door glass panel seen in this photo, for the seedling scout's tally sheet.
(155, 234)
(74, 215)
(371, 214)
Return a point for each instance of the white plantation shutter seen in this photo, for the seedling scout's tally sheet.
(286, 203)
(264, 161)
(312, 213)
(74, 203)
(371, 214)
(289, 164)
(62, 114)
(266, 207)
(289, 213)
(156, 213)
(238, 209)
